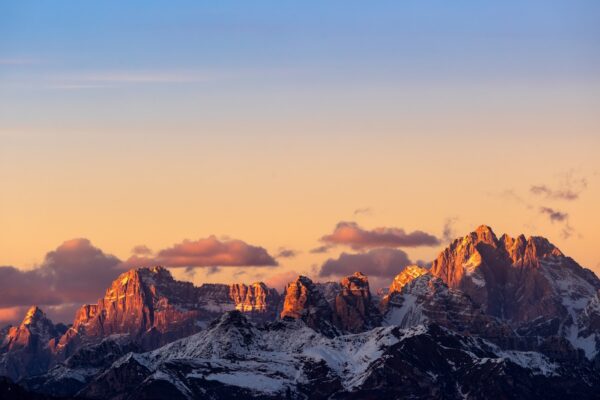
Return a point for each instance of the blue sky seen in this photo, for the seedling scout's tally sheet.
(272, 121)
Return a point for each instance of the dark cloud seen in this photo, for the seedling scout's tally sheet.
(209, 252)
(364, 211)
(351, 234)
(320, 250)
(141, 250)
(448, 233)
(286, 253)
(569, 189)
(383, 263)
(76, 272)
(559, 217)
(554, 215)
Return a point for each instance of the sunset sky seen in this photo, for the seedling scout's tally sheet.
(222, 135)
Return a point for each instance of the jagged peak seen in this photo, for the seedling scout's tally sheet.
(33, 315)
(357, 278)
(407, 275)
(485, 234)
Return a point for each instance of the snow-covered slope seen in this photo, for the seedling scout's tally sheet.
(287, 359)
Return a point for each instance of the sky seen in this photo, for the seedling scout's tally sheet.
(240, 141)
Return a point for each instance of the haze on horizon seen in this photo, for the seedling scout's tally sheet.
(238, 141)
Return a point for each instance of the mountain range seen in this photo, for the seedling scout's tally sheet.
(508, 318)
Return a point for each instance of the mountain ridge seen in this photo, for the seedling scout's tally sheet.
(520, 303)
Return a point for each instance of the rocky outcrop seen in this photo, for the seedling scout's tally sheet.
(153, 309)
(354, 308)
(25, 349)
(258, 300)
(524, 281)
(516, 279)
(407, 275)
(304, 301)
(427, 299)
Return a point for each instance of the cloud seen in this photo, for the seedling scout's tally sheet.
(382, 263)
(448, 233)
(351, 234)
(320, 250)
(364, 210)
(286, 253)
(141, 250)
(554, 215)
(559, 217)
(279, 281)
(208, 252)
(570, 188)
(76, 272)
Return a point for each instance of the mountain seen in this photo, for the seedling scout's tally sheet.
(427, 299)
(154, 309)
(25, 349)
(504, 317)
(287, 359)
(354, 307)
(305, 301)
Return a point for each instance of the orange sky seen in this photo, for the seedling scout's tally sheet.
(273, 124)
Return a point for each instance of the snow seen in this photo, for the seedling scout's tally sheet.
(215, 307)
(408, 314)
(472, 270)
(536, 362)
(575, 294)
(250, 380)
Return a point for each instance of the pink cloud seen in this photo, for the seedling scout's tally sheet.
(351, 234)
(279, 281)
(209, 252)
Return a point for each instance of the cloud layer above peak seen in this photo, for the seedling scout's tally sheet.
(208, 252)
(351, 234)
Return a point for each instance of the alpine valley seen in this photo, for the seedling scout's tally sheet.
(492, 317)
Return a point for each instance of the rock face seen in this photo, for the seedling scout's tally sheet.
(520, 280)
(153, 309)
(427, 299)
(303, 300)
(354, 308)
(257, 299)
(516, 279)
(25, 349)
(407, 275)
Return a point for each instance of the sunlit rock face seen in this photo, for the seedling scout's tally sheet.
(516, 279)
(354, 308)
(303, 300)
(407, 275)
(25, 349)
(256, 299)
(153, 308)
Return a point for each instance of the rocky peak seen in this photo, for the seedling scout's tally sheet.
(427, 299)
(484, 234)
(407, 275)
(34, 316)
(26, 348)
(35, 330)
(353, 306)
(256, 297)
(303, 300)
(516, 279)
